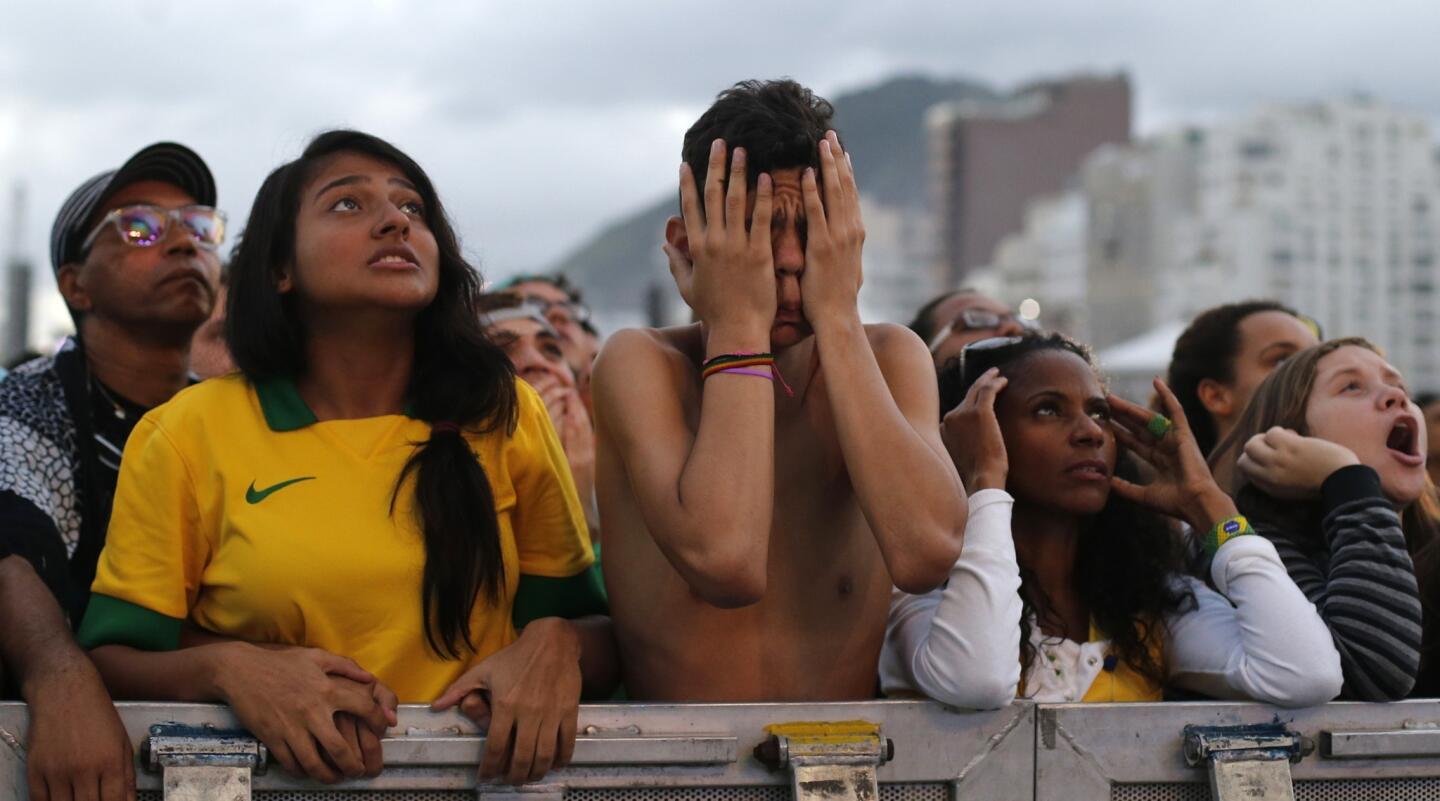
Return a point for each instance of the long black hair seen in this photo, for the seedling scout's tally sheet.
(1126, 558)
(1207, 350)
(460, 379)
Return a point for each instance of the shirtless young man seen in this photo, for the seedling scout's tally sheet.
(751, 536)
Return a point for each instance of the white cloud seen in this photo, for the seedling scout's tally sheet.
(542, 121)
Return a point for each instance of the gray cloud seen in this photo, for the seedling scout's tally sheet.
(543, 120)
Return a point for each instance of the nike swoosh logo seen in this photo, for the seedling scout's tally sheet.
(253, 496)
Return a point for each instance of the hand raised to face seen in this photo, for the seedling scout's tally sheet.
(728, 276)
(1183, 486)
(971, 433)
(830, 286)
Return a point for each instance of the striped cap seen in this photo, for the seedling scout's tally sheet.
(163, 161)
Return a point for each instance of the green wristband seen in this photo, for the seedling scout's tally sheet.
(1226, 530)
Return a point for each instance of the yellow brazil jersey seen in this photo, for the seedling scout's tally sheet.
(238, 511)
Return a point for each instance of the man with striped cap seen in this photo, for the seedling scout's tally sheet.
(134, 253)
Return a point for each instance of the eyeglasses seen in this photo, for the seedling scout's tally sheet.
(144, 225)
(578, 312)
(978, 320)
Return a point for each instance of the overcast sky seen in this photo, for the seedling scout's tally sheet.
(540, 121)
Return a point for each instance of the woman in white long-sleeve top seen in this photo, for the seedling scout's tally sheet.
(1071, 585)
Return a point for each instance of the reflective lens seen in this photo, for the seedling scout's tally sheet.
(205, 224)
(143, 225)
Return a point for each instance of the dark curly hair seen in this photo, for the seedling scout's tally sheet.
(1207, 350)
(779, 123)
(1127, 556)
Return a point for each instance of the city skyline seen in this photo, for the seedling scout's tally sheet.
(542, 127)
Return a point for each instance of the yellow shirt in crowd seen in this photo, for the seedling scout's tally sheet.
(240, 512)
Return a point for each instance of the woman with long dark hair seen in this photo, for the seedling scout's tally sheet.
(1328, 461)
(373, 485)
(1070, 586)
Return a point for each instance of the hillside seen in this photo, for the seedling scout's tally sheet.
(883, 127)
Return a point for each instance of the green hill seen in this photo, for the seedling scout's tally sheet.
(884, 129)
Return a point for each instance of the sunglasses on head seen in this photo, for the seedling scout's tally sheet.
(970, 369)
(978, 320)
(143, 225)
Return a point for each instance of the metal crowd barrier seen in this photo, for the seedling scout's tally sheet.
(874, 751)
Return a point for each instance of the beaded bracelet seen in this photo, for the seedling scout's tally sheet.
(1226, 530)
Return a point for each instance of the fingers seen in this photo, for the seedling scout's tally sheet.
(1144, 450)
(764, 209)
(1131, 410)
(524, 756)
(476, 706)
(280, 750)
(336, 747)
(371, 754)
(690, 204)
(546, 747)
(1172, 405)
(1130, 491)
(715, 185)
(358, 700)
(987, 388)
(307, 757)
(39, 791)
(130, 792)
(349, 732)
(388, 701)
(467, 683)
(833, 190)
(565, 738)
(337, 665)
(735, 195)
(814, 208)
(844, 167)
(497, 741)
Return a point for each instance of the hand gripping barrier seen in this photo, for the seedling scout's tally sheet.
(875, 751)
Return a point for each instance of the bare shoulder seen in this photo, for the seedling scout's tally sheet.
(897, 346)
(640, 362)
(648, 346)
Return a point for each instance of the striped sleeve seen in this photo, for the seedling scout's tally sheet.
(1365, 590)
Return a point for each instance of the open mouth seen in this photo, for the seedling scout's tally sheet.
(1090, 470)
(1404, 438)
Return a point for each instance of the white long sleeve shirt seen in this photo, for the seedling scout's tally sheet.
(1257, 638)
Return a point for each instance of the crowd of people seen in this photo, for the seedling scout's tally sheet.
(342, 473)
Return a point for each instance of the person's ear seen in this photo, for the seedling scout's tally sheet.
(71, 281)
(676, 235)
(1217, 398)
(283, 281)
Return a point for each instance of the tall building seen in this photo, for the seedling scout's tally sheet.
(1333, 208)
(989, 159)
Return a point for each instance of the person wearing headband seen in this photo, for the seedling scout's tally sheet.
(766, 474)
(559, 301)
(536, 348)
(134, 251)
(372, 510)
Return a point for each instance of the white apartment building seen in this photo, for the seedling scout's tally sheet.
(1333, 208)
